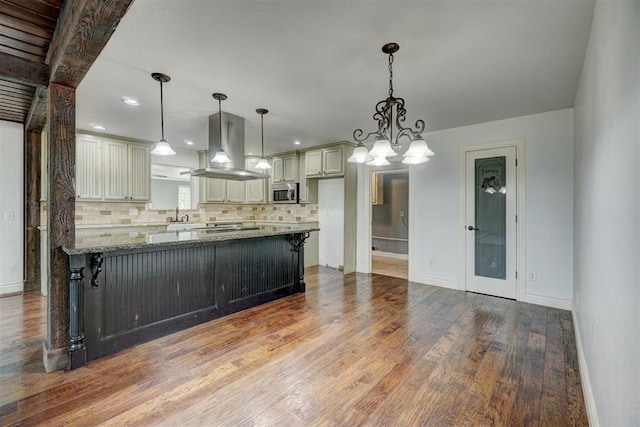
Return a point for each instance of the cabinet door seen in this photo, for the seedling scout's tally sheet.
(289, 168)
(116, 185)
(254, 189)
(216, 189)
(332, 163)
(88, 168)
(276, 170)
(139, 173)
(313, 163)
(235, 191)
(303, 182)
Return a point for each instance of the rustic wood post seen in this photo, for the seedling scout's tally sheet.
(60, 221)
(32, 164)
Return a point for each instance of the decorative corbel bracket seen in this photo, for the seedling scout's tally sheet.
(297, 241)
(96, 268)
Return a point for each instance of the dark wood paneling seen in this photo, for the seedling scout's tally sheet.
(146, 294)
(18, 70)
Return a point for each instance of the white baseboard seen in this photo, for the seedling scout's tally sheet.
(562, 304)
(11, 288)
(587, 391)
(434, 281)
(389, 255)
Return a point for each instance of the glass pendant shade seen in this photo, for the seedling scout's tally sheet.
(378, 161)
(418, 148)
(360, 154)
(415, 160)
(221, 157)
(263, 164)
(382, 148)
(163, 148)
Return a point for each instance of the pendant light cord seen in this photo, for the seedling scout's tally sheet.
(220, 114)
(262, 131)
(161, 111)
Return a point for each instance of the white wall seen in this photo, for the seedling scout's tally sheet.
(331, 222)
(434, 203)
(11, 208)
(607, 214)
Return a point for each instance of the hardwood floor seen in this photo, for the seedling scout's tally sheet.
(354, 350)
(388, 266)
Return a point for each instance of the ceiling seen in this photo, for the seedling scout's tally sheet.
(317, 65)
(26, 29)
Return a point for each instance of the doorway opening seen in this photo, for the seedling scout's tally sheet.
(390, 222)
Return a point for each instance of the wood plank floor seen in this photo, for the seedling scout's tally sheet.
(388, 266)
(354, 350)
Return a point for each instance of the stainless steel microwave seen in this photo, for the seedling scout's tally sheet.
(285, 192)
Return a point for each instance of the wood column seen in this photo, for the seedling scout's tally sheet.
(60, 221)
(32, 164)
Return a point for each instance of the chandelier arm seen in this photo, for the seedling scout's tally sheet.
(357, 135)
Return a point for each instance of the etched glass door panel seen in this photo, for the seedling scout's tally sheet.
(490, 212)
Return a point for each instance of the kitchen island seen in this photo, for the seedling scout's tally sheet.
(128, 287)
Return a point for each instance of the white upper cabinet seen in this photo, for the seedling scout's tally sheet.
(326, 162)
(88, 168)
(127, 171)
(235, 191)
(112, 170)
(284, 168)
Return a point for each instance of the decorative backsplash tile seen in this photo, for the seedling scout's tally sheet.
(99, 213)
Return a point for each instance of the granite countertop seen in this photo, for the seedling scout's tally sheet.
(105, 240)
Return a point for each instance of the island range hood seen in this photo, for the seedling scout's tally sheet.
(231, 140)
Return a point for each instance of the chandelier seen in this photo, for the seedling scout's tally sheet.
(383, 147)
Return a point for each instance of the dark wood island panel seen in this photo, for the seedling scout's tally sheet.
(123, 297)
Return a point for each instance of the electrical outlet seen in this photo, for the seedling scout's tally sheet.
(430, 262)
(9, 216)
(423, 214)
(133, 212)
(533, 276)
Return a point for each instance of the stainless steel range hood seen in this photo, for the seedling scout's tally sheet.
(233, 144)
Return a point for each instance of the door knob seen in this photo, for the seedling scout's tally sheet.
(471, 228)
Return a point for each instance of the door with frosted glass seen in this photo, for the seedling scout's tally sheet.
(490, 226)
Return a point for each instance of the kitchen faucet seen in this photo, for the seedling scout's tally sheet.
(177, 218)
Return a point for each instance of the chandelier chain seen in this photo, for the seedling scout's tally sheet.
(391, 75)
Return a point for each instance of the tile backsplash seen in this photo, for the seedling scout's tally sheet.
(125, 213)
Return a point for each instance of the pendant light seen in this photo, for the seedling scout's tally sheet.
(262, 163)
(221, 156)
(162, 147)
(391, 111)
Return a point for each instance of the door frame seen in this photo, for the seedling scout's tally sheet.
(366, 220)
(520, 210)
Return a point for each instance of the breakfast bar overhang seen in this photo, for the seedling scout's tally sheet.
(126, 288)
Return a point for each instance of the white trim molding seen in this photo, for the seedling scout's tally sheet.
(11, 288)
(434, 281)
(562, 304)
(587, 391)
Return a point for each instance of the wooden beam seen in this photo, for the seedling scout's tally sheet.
(84, 28)
(32, 210)
(61, 208)
(23, 71)
(37, 116)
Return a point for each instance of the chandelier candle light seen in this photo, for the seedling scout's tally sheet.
(382, 149)
(162, 147)
(262, 163)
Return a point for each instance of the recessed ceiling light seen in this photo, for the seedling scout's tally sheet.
(188, 142)
(98, 127)
(296, 142)
(250, 153)
(130, 101)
